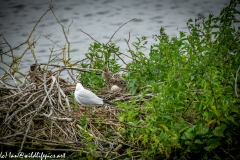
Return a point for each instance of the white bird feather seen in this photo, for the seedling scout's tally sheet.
(86, 97)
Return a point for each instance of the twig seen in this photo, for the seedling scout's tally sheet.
(24, 116)
(62, 119)
(52, 41)
(24, 138)
(129, 96)
(71, 75)
(22, 108)
(66, 38)
(30, 32)
(90, 36)
(45, 88)
(38, 139)
(33, 94)
(10, 50)
(13, 78)
(64, 96)
(79, 127)
(121, 59)
(120, 28)
(125, 55)
(13, 135)
(118, 147)
(227, 153)
(69, 26)
(71, 68)
(61, 129)
(127, 41)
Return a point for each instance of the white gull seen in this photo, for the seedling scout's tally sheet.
(86, 97)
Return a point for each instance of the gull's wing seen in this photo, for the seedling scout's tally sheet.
(86, 93)
(87, 97)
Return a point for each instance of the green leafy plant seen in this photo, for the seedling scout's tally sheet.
(193, 83)
(99, 55)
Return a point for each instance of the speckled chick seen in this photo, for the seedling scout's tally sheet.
(106, 74)
(118, 81)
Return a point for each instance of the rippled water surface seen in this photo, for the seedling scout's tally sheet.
(99, 18)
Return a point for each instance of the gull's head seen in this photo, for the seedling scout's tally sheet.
(79, 86)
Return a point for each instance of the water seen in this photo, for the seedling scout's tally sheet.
(99, 18)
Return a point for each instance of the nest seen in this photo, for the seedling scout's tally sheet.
(43, 115)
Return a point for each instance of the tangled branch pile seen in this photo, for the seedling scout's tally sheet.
(38, 114)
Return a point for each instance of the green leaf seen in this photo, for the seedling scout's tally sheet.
(219, 130)
(183, 129)
(189, 135)
(198, 141)
(148, 104)
(207, 115)
(188, 142)
(217, 113)
(164, 127)
(202, 129)
(89, 138)
(192, 78)
(212, 146)
(217, 157)
(231, 118)
(168, 152)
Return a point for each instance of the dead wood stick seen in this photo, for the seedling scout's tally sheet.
(8, 120)
(36, 93)
(79, 127)
(61, 129)
(45, 88)
(58, 118)
(26, 132)
(13, 135)
(25, 116)
(64, 96)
